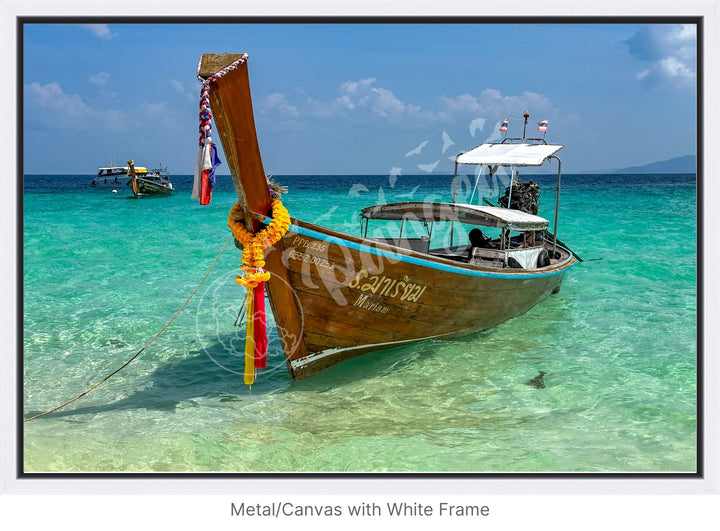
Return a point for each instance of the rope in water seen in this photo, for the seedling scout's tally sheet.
(144, 346)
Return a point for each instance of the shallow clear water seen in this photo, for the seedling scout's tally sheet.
(103, 273)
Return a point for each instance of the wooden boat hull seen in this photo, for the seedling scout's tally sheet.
(146, 187)
(355, 296)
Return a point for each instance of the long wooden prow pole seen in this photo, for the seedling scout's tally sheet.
(232, 110)
(133, 176)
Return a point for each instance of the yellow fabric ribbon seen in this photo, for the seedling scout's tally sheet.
(249, 375)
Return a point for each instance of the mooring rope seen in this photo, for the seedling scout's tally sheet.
(144, 346)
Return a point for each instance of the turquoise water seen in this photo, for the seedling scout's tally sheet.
(103, 273)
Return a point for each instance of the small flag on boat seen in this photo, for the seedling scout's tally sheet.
(207, 159)
(542, 126)
(205, 164)
(504, 126)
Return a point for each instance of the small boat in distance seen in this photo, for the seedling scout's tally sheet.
(148, 182)
(144, 183)
(114, 175)
(335, 295)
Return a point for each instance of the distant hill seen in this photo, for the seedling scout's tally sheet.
(686, 164)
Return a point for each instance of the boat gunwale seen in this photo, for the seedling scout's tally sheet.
(401, 254)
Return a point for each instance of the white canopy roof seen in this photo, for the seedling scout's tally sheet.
(508, 154)
(513, 219)
(487, 216)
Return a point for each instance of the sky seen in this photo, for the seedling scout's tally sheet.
(360, 98)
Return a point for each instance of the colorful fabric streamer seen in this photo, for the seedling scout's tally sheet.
(260, 339)
(249, 372)
(204, 179)
(254, 278)
(207, 159)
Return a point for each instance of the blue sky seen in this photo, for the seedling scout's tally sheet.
(361, 98)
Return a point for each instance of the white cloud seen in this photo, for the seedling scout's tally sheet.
(465, 103)
(384, 103)
(51, 96)
(356, 87)
(158, 113)
(100, 30)
(180, 87)
(670, 50)
(363, 99)
(674, 68)
(57, 110)
(495, 106)
(492, 101)
(101, 78)
(155, 109)
(278, 103)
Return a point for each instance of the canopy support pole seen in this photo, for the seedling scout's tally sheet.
(557, 202)
(454, 193)
(477, 180)
(512, 178)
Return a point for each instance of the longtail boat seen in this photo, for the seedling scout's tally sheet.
(154, 182)
(335, 296)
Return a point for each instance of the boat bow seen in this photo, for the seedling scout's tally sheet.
(231, 104)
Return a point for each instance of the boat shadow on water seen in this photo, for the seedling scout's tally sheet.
(214, 372)
(209, 373)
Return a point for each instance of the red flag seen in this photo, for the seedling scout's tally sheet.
(205, 188)
(205, 164)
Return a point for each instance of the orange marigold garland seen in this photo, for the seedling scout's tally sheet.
(255, 276)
